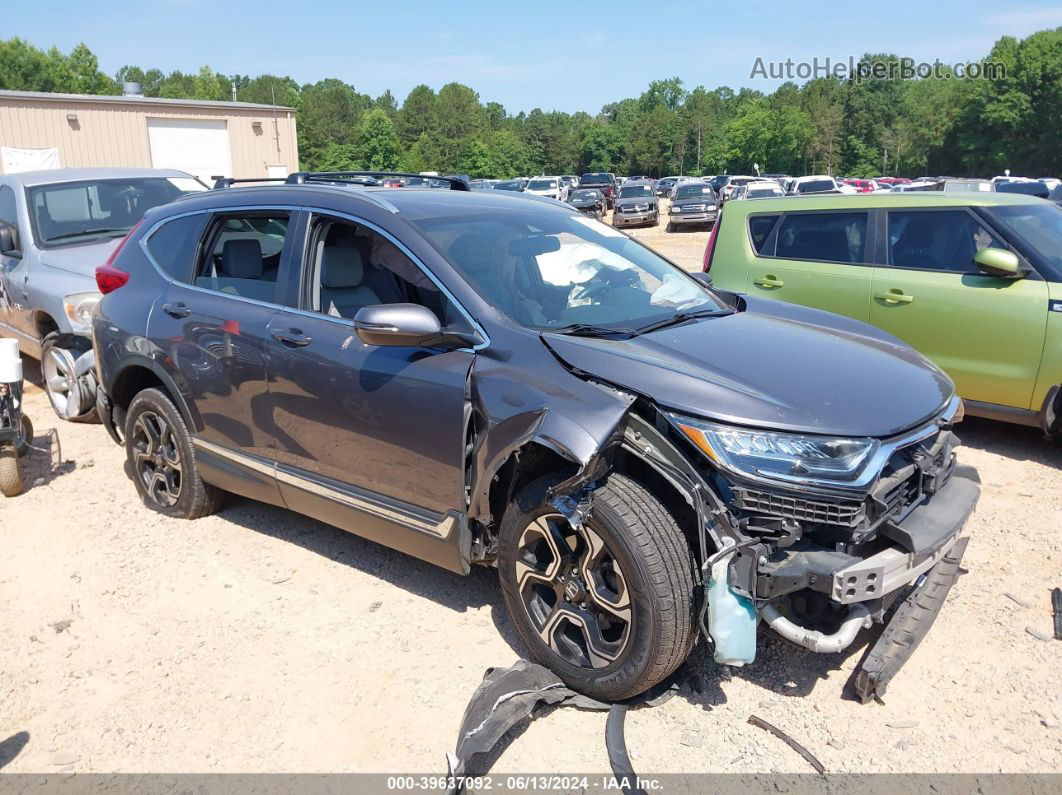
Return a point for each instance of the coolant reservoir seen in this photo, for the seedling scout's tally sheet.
(731, 619)
(10, 362)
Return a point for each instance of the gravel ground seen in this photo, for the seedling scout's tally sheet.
(258, 640)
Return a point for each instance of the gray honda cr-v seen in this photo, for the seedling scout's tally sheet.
(474, 378)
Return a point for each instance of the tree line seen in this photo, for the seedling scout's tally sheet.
(855, 127)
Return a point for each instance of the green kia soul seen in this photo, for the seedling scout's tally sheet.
(972, 281)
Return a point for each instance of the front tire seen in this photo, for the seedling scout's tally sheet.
(73, 397)
(610, 606)
(162, 461)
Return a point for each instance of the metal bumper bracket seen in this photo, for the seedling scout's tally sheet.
(908, 626)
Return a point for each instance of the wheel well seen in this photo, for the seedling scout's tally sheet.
(45, 325)
(133, 380)
(534, 460)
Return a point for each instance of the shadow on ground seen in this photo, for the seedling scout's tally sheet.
(12, 747)
(1018, 442)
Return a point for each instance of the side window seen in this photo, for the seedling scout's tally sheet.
(760, 228)
(353, 266)
(242, 255)
(8, 209)
(829, 237)
(9, 212)
(173, 245)
(944, 240)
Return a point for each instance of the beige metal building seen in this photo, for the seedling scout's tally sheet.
(204, 138)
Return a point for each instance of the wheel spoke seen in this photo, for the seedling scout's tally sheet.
(597, 651)
(57, 383)
(612, 597)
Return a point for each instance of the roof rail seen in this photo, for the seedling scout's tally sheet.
(228, 182)
(340, 177)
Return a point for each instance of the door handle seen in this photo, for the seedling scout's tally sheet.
(894, 296)
(291, 337)
(176, 310)
(769, 282)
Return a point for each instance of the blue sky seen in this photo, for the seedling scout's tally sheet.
(574, 55)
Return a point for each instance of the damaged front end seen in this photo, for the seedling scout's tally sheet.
(820, 561)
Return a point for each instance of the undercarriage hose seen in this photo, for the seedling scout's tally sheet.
(812, 639)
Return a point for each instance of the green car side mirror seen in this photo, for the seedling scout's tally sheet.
(998, 262)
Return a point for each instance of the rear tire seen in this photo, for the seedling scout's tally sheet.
(10, 471)
(645, 572)
(161, 458)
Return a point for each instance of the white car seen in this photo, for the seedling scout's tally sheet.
(818, 183)
(763, 189)
(551, 187)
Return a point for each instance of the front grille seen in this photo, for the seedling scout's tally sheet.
(844, 514)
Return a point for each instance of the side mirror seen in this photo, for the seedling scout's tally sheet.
(998, 262)
(9, 241)
(397, 325)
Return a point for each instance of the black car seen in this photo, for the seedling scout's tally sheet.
(477, 379)
(602, 181)
(591, 202)
(694, 204)
(636, 205)
(517, 185)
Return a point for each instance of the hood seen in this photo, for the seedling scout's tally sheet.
(82, 260)
(636, 200)
(708, 200)
(767, 370)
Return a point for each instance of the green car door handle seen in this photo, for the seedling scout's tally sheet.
(768, 281)
(894, 297)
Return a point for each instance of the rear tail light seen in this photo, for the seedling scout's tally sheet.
(709, 250)
(108, 277)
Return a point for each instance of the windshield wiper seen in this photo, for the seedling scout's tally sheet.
(88, 232)
(682, 317)
(585, 330)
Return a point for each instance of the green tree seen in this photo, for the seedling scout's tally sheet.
(460, 117)
(507, 155)
(417, 115)
(474, 159)
(376, 144)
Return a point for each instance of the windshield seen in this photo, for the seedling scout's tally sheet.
(1039, 225)
(700, 191)
(586, 195)
(68, 213)
(635, 191)
(816, 186)
(595, 178)
(514, 184)
(760, 193)
(1038, 188)
(549, 270)
(541, 184)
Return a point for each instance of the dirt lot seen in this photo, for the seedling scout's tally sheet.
(258, 640)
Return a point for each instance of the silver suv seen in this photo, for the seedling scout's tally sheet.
(56, 227)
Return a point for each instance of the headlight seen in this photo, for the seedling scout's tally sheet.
(792, 457)
(710, 207)
(79, 307)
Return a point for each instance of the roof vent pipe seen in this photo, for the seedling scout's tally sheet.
(131, 90)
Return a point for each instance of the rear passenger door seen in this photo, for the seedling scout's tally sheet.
(986, 332)
(211, 323)
(816, 258)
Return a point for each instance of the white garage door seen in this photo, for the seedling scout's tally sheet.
(200, 147)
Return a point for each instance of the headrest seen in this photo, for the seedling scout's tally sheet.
(341, 264)
(918, 233)
(474, 253)
(242, 259)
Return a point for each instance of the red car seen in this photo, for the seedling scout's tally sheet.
(893, 180)
(862, 185)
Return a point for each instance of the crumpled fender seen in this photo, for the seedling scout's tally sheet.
(511, 408)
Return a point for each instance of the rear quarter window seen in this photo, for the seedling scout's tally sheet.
(826, 236)
(760, 228)
(173, 245)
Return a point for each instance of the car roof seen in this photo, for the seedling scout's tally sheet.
(412, 202)
(837, 201)
(57, 175)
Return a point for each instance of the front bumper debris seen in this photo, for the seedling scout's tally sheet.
(901, 552)
(909, 624)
